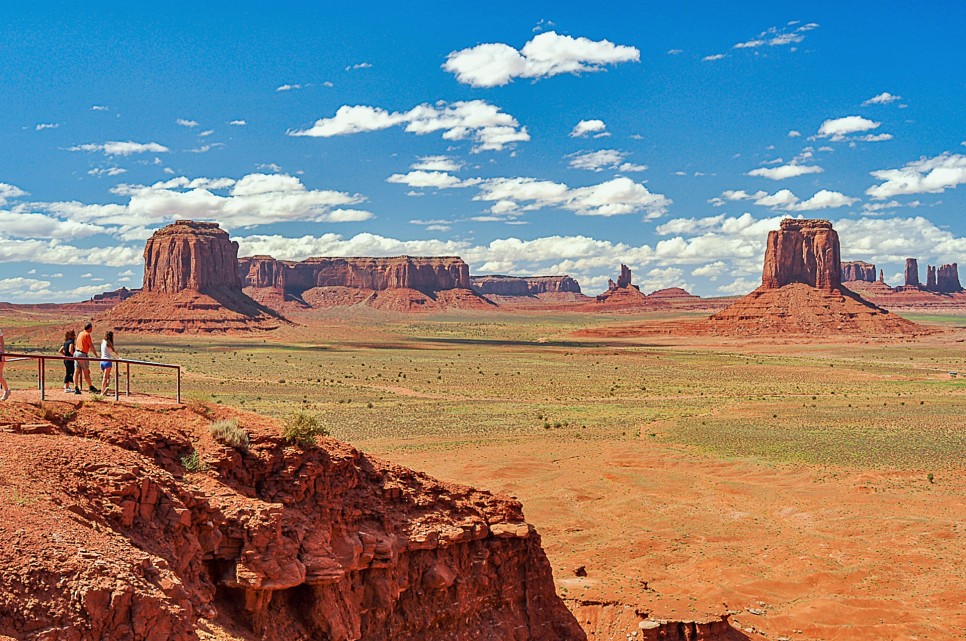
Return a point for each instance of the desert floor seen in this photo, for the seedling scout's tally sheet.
(815, 490)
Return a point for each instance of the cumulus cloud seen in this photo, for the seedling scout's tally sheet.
(21, 223)
(838, 128)
(485, 124)
(785, 200)
(547, 54)
(9, 191)
(713, 57)
(255, 199)
(107, 171)
(54, 252)
(883, 98)
(924, 176)
(116, 148)
(435, 179)
(183, 122)
(288, 87)
(790, 170)
(512, 196)
(585, 127)
(603, 159)
(437, 163)
(237, 123)
(794, 134)
(29, 290)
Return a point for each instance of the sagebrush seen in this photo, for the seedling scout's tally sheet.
(303, 428)
(229, 433)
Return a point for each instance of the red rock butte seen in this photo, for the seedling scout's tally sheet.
(801, 291)
(191, 284)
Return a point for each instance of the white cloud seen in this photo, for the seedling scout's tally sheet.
(794, 134)
(923, 176)
(675, 52)
(437, 163)
(287, 87)
(115, 148)
(29, 290)
(206, 133)
(838, 128)
(53, 252)
(785, 171)
(883, 98)
(716, 56)
(490, 128)
(187, 123)
(237, 123)
(99, 108)
(603, 159)
(785, 200)
(435, 179)
(585, 127)
(513, 196)
(711, 271)
(360, 65)
(255, 199)
(21, 223)
(9, 191)
(547, 54)
(46, 125)
(107, 171)
(875, 137)
(203, 149)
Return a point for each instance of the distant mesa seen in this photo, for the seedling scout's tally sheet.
(801, 291)
(857, 270)
(673, 294)
(401, 283)
(524, 285)
(191, 285)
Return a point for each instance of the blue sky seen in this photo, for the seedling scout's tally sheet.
(541, 139)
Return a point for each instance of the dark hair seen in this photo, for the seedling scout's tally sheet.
(70, 335)
(109, 337)
(89, 326)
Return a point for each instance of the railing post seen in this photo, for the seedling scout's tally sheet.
(40, 378)
(117, 382)
(128, 365)
(179, 385)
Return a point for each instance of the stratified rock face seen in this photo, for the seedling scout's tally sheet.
(947, 279)
(116, 540)
(401, 283)
(524, 285)
(930, 277)
(912, 272)
(624, 280)
(194, 256)
(857, 270)
(803, 251)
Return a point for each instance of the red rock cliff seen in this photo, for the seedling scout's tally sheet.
(188, 255)
(803, 251)
(425, 274)
(524, 285)
(114, 539)
(947, 279)
(857, 270)
(912, 272)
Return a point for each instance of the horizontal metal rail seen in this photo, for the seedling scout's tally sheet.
(10, 357)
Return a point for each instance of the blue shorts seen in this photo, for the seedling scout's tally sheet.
(106, 365)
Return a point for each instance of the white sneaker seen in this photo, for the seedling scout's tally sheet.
(6, 395)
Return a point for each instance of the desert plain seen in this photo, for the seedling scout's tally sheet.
(812, 488)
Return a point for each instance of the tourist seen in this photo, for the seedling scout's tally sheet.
(107, 351)
(3, 382)
(85, 349)
(67, 349)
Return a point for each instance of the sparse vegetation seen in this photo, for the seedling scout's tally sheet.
(303, 428)
(229, 433)
(193, 462)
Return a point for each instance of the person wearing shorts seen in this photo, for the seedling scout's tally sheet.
(107, 351)
(85, 349)
(67, 349)
(3, 382)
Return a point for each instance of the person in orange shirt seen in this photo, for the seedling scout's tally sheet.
(85, 349)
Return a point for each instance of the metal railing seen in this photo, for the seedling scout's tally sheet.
(42, 359)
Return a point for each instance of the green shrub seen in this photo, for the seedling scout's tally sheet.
(193, 462)
(303, 428)
(230, 434)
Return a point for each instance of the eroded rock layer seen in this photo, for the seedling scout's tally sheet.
(524, 285)
(803, 251)
(857, 270)
(112, 538)
(401, 283)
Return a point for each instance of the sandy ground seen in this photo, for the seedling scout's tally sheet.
(832, 553)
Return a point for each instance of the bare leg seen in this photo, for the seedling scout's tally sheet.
(106, 380)
(3, 381)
